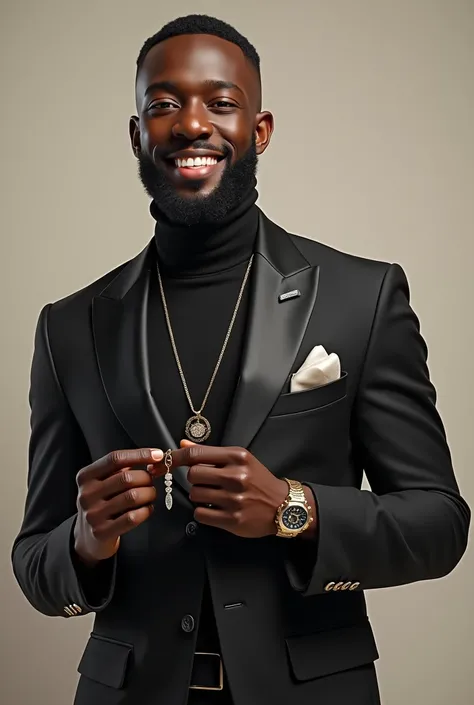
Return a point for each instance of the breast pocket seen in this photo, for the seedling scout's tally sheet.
(311, 399)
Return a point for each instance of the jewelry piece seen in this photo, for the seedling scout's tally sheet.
(168, 480)
(198, 428)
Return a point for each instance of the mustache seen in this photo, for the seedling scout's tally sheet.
(200, 144)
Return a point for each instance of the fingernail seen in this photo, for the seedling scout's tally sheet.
(157, 454)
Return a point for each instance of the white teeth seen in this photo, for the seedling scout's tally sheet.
(196, 162)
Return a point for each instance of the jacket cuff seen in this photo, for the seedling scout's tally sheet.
(337, 514)
(81, 592)
(302, 555)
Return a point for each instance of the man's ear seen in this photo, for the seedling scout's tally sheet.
(134, 129)
(263, 131)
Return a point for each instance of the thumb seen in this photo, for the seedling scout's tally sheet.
(186, 444)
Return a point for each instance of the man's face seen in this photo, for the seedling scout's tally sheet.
(198, 130)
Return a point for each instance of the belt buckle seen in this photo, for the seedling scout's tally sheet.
(221, 673)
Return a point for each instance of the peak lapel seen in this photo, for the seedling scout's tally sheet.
(275, 329)
(119, 319)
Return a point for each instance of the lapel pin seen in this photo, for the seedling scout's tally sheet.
(289, 295)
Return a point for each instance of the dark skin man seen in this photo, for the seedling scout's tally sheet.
(191, 90)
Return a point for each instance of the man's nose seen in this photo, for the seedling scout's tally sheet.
(193, 123)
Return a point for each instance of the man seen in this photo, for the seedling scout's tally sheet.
(246, 583)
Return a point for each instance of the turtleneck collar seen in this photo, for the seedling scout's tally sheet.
(199, 250)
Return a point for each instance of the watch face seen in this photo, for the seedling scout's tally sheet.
(294, 517)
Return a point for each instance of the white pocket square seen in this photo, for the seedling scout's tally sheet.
(318, 369)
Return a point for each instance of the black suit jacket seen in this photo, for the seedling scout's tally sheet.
(291, 615)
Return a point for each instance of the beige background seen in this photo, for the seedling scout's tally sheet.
(373, 153)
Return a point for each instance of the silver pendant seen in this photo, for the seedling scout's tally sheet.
(169, 498)
(168, 480)
(198, 429)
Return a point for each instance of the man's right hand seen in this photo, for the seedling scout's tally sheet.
(113, 498)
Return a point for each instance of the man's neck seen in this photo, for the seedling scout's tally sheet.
(187, 251)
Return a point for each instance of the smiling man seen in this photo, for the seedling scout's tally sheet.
(200, 125)
(261, 373)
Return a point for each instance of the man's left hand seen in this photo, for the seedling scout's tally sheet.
(243, 493)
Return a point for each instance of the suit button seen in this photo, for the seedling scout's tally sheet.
(187, 623)
(329, 587)
(191, 529)
(354, 586)
(338, 586)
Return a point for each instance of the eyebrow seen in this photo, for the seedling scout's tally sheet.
(210, 83)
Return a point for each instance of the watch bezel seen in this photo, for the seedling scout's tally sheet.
(287, 504)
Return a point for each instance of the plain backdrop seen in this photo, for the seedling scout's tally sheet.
(373, 153)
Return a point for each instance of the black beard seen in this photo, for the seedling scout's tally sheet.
(235, 183)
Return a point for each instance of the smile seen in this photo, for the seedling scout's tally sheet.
(191, 163)
(187, 168)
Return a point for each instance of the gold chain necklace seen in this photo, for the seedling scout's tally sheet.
(198, 428)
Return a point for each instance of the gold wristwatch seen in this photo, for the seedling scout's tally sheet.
(294, 515)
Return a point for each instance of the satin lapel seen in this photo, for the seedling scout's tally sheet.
(119, 319)
(275, 330)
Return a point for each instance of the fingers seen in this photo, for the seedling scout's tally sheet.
(210, 495)
(112, 528)
(205, 475)
(159, 469)
(93, 494)
(124, 480)
(209, 455)
(129, 500)
(232, 479)
(117, 460)
(212, 517)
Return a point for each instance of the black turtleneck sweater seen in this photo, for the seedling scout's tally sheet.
(202, 269)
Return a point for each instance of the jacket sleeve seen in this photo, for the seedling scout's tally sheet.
(43, 555)
(413, 524)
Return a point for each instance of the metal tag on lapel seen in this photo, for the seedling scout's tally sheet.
(289, 295)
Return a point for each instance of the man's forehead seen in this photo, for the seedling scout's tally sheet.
(194, 58)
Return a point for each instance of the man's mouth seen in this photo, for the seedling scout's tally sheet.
(191, 163)
(196, 168)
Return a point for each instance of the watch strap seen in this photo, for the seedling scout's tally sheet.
(296, 493)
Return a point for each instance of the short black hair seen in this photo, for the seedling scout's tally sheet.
(201, 24)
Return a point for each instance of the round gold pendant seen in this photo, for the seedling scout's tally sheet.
(198, 429)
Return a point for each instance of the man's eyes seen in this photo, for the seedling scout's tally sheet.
(223, 104)
(163, 105)
(169, 105)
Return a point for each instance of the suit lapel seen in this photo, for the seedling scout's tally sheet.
(119, 319)
(274, 334)
(275, 329)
